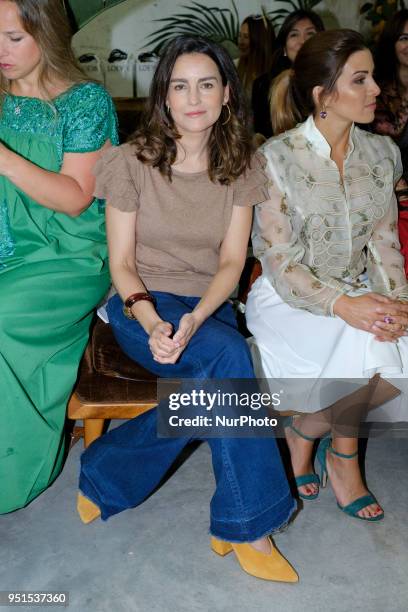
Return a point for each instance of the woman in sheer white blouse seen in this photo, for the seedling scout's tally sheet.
(332, 298)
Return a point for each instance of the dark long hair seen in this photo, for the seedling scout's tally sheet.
(386, 62)
(319, 62)
(279, 60)
(261, 49)
(229, 147)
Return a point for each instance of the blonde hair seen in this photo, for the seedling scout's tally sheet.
(319, 62)
(47, 23)
(284, 114)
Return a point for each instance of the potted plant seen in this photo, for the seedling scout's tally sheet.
(378, 12)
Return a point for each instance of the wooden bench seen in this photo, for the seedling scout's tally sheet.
(110, 385)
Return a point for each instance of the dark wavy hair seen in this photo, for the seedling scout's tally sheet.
(385, 58)
(279, 60)
(229, 146)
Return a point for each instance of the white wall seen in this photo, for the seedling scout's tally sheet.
(127, 25)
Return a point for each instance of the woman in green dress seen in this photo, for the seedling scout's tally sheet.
(53, 268)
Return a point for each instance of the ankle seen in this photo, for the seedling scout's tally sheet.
(263, 545)
(345, 471)
(300, 451)
(295, 440)
(346, 451)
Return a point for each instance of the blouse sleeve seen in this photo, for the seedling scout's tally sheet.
(281, 252)
(251, 188)
(114, 182)
(91, 120)
(385, 263)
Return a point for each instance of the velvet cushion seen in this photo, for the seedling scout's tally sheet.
(108, 358)
(93, 388)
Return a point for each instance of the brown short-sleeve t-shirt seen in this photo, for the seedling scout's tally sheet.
(180, 224)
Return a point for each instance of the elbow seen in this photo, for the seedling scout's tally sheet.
(75, 213)
(118, 267)
(233, 265)
(80, 207)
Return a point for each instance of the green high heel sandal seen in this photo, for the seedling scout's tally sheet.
(358, 504)
(306, 479)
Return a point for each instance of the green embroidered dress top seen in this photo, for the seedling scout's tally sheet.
(53, 271)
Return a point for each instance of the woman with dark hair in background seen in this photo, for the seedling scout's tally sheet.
(53, 254)
(256, 44)
(179, 202)
(391, 116)
(331, 216)
(298, 27)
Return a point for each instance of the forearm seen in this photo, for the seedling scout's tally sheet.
(127, 282)
(219, 290)
(298, 286)
(281, 251)
(53, 190)
(385, 262)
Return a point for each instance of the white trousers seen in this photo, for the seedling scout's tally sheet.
(294, 343)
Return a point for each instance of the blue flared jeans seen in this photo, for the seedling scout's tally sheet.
(120, 469)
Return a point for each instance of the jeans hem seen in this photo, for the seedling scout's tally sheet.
(88, 490)
(265, 523)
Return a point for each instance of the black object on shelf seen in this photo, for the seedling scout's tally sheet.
(116, 55)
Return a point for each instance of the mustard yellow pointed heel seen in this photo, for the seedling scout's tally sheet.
(272, 566)
(87, 510)
(220, 547)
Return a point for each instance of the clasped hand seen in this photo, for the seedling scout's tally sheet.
(166, 349)
(382, 316)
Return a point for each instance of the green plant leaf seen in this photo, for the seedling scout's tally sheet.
(83, 12)
(207, 13)
(277, 15)
(232, 32)
(293, 5)
(216, 23)
(280, 12)
(204, 21)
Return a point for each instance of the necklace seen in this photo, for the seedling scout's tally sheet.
(16, 104)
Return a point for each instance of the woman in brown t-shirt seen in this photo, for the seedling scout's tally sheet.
(179, 208)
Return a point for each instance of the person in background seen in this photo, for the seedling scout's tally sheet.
(298, 27)
(391, 116)
(332, 301)
(179, 201)
(53, 254)
(256, 43)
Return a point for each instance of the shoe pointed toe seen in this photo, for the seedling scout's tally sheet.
(87, 510)
(267, 566)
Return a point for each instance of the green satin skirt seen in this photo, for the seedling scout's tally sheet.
(53, 272)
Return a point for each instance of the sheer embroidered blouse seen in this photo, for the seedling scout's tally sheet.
(317, 233)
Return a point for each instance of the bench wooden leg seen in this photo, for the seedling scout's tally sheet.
(93, 430)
